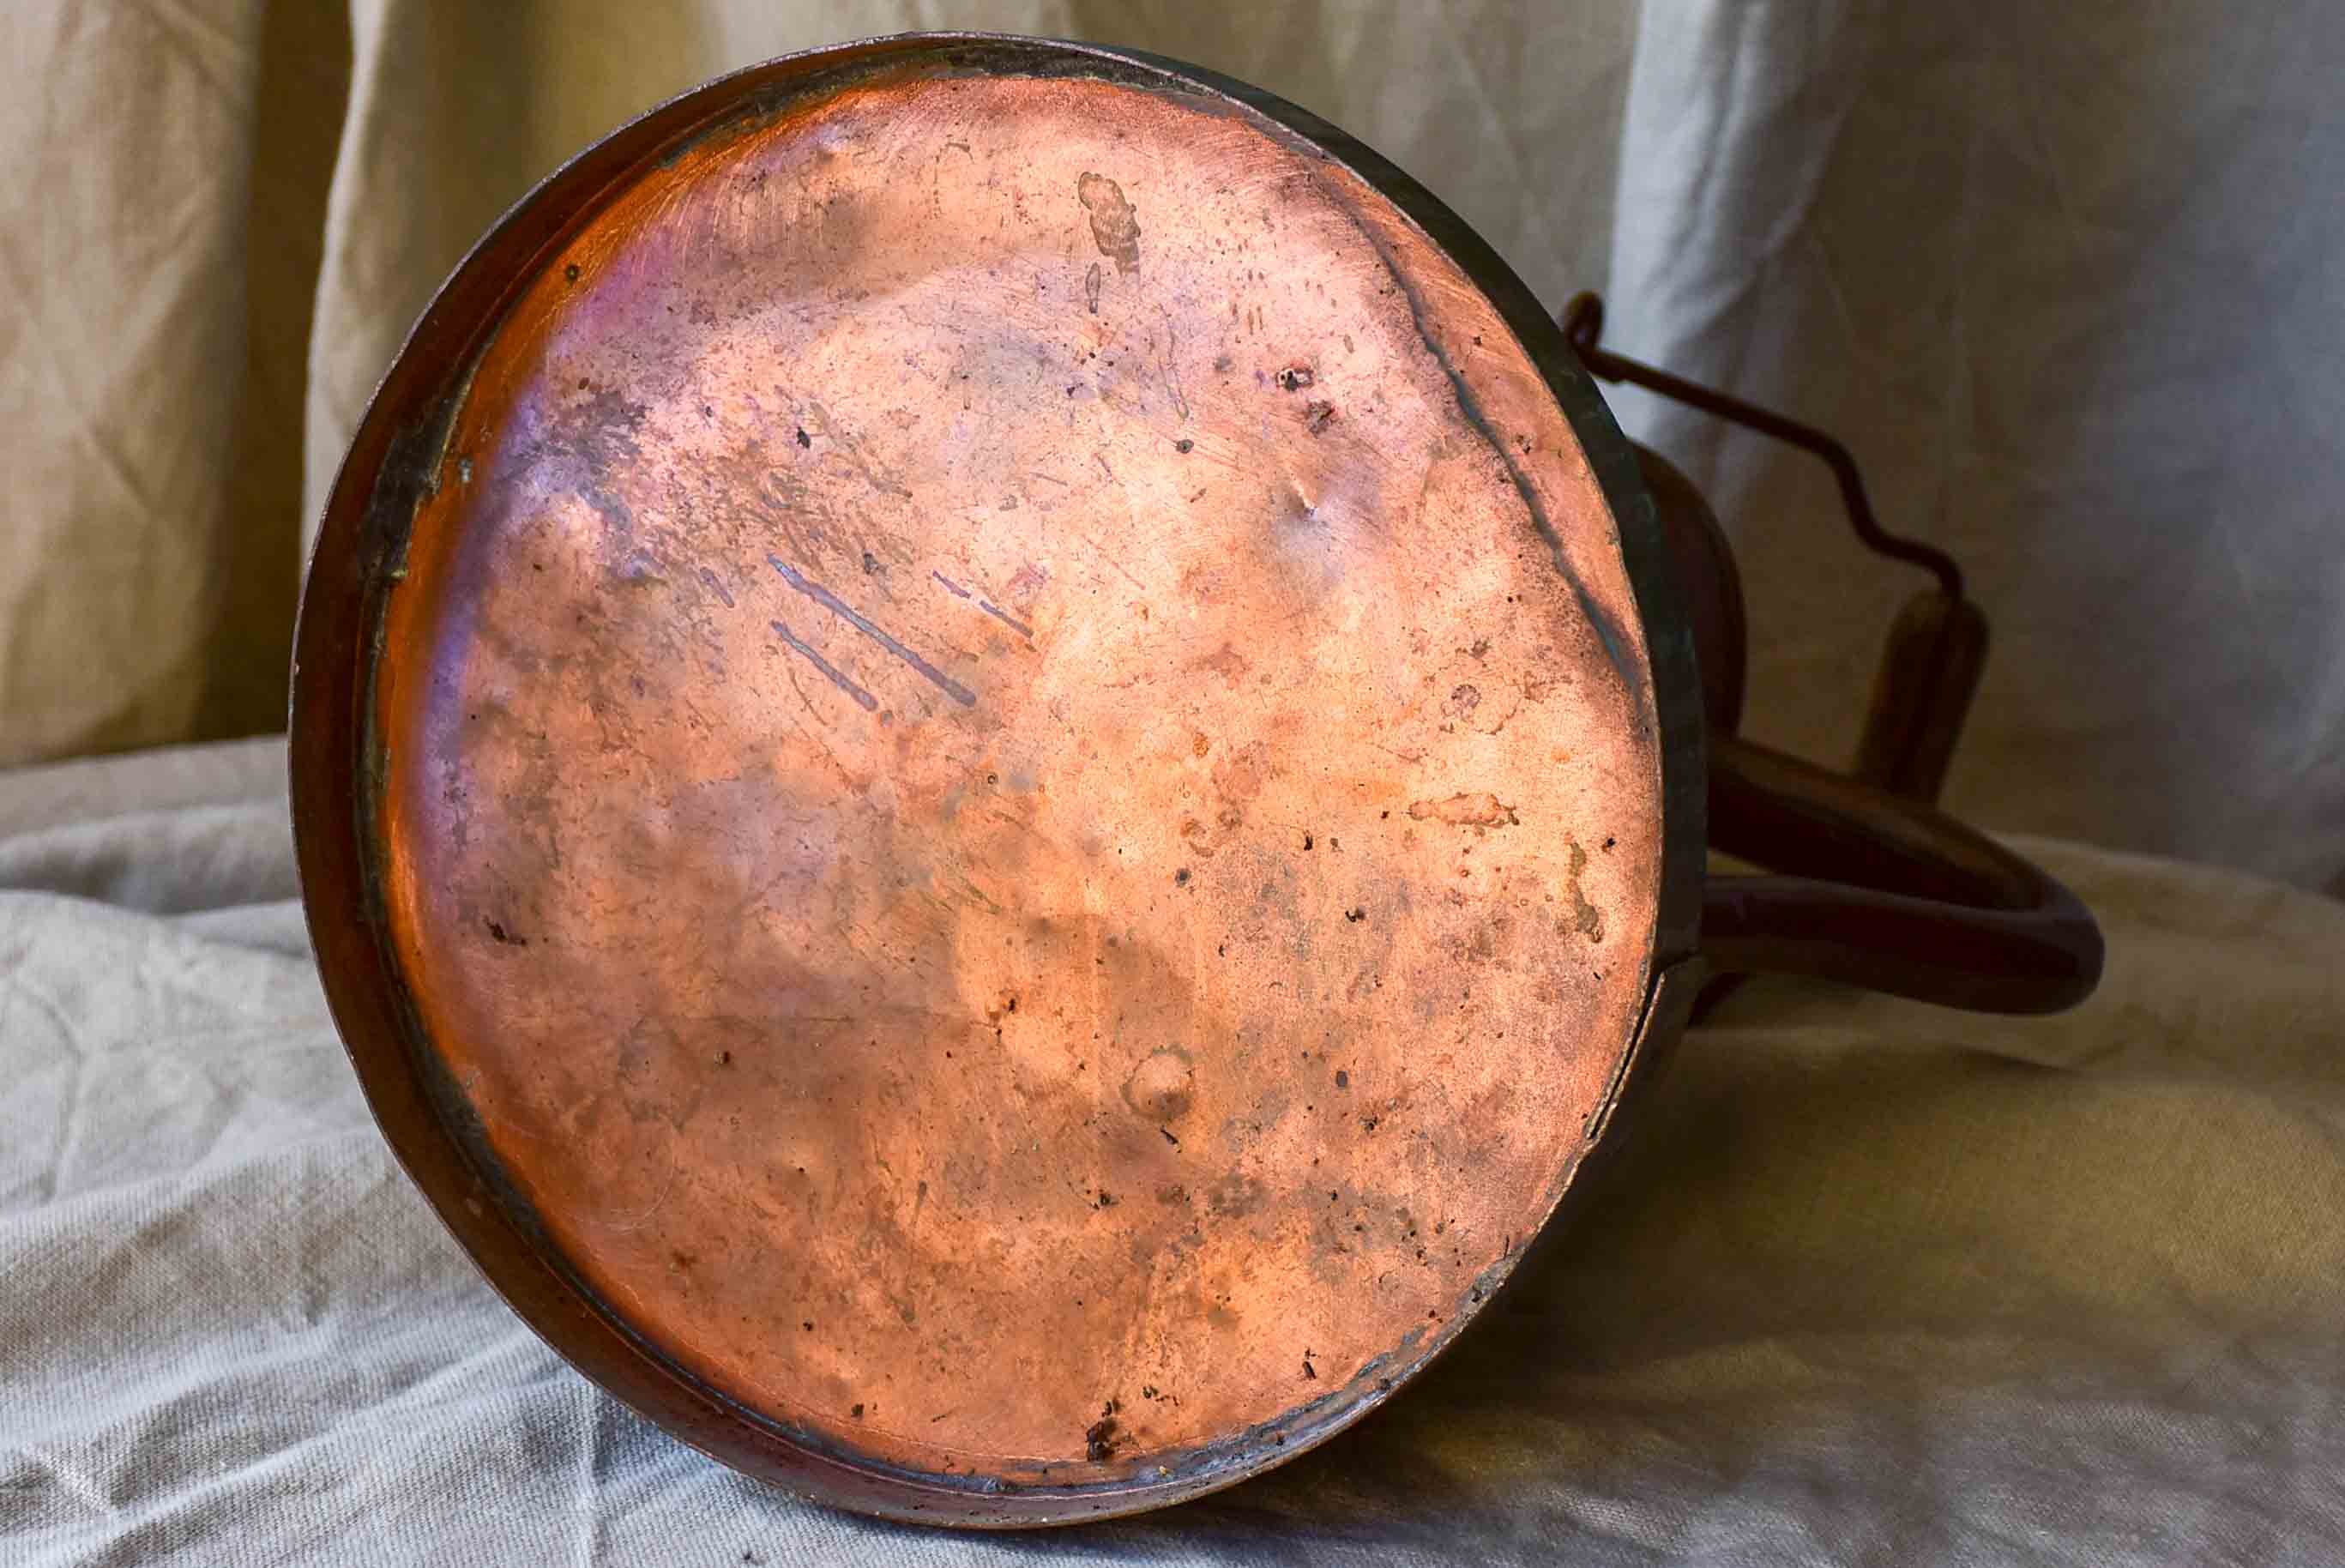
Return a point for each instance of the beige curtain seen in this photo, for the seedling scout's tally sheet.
(163, 174)
(2067, 279)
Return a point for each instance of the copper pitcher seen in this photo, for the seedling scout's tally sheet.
(999, 770)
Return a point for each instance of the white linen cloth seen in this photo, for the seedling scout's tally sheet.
(1876, 1284)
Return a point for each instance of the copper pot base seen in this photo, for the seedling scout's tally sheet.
(1002, 836)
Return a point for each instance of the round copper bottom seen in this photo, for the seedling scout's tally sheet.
(1018, 800)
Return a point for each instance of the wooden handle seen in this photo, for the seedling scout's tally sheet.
(1885, 892)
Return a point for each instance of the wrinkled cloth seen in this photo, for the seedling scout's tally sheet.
(163, 173)
(1873, 1282)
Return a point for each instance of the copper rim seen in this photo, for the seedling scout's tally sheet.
(494, 1046)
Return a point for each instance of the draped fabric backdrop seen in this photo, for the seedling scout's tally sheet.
(2066, 278)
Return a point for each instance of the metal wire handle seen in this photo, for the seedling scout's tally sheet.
(1886, 891)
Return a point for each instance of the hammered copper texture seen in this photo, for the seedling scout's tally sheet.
(1021, 780)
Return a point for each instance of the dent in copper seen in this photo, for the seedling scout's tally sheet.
(1018, 783)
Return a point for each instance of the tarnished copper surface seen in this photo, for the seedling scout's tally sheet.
(780, 1018)
(1018, 774)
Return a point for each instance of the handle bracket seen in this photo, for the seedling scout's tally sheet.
(1882, 889)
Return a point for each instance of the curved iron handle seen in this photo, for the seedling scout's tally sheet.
(1892, 894)
(1889, 892)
